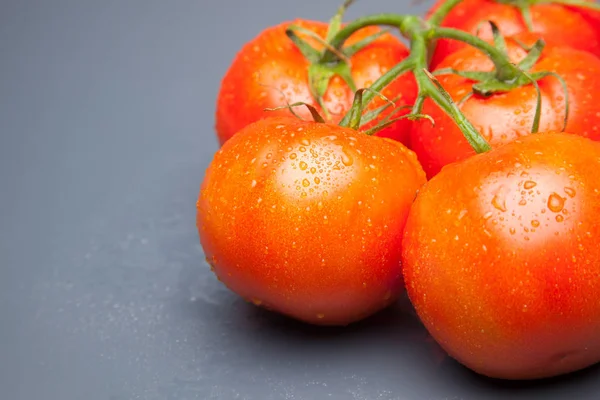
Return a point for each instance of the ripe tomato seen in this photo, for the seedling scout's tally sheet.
(501, 257)
(269, 70)
(504, 117)
(306, 218)
(552, 21)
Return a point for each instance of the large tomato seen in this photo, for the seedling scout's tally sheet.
(504, 117)
(501, 257)
(306, 218)
(270, 71)
(558, 24)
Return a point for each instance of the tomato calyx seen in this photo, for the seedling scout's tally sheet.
(332, 60)
(355, 117)
(489, 83)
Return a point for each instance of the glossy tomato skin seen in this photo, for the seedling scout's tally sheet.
(557, 24)
(269, 70)
(504, 117)
(306, 219)
(501, 258)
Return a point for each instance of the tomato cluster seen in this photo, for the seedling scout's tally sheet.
(329, 221)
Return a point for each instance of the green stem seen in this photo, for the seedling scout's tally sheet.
(378, 19)
(443, 10)
(420, 34)
(380, 84)
(427, 88)
(505, 70)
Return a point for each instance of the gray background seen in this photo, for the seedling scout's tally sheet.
(106, 122)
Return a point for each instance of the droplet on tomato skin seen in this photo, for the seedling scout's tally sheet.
(556, 203)
(535, 223)
(499, 201)
(253, 184)
(303, 165)
(529, 185)
(293, 156)
(305, 182)
(560, 218)
(347, 160)
(570, 191)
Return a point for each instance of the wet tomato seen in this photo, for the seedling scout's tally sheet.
(306, 218)
(501, 257)
(269, 71)
(558, 25)
(503, 117)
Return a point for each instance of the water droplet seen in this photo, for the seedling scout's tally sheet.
(303, 165)
(313, 170)
(529, 185)
(293, 156)
(305, 182)
(556, 203)
(302, 149)
(253, 184)
(570, 191)
(305, 142)
(523, 202)
(560, 218)
(347, 159)
(535, 223)
(317, 180)
(499, 200)
(512, 231)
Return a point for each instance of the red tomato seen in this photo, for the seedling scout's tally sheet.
(558, 24)
(306, 218)
(501, 257)
(270, 66)
(504, 117)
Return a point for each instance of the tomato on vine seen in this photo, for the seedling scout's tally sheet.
(505, 115)
(294, 62)
(556, 22)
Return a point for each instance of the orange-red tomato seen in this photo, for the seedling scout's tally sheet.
(501, 257)
(504, 117)
(269, 70)
(558, 24)
(306, 218)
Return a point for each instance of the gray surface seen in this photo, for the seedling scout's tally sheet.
(106, 115)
